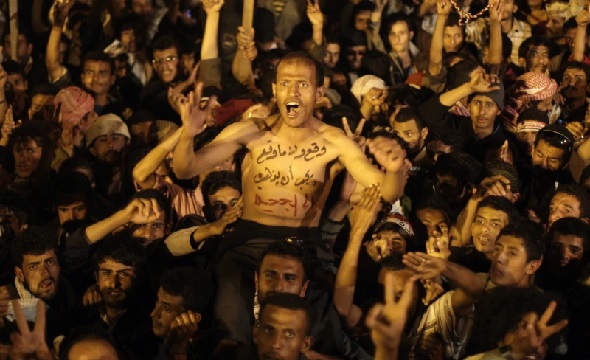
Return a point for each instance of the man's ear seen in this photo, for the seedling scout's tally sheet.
(424, 133)
(303, 290)
(92, 150)
(19, 274)
(306, 344)
(533, 266)
(411, 35)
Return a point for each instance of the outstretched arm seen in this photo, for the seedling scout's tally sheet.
(145, 170)
(60, 13)
(443, 8)
(361, 219)
(582, 19)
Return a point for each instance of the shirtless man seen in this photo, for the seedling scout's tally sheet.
(290, 166)
(286, 177)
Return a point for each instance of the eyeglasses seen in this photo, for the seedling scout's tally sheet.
(164, 60)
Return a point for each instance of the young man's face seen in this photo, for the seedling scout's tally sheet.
(538, 59)
(166, 64)
(27, 155)
(23, 48)
(386, 243)
(18, 82)
(564, 205)
(332, 55)
(411, 134)
(361, 20)
(432, 218)
(575, 84)
(108, 148)
(565, 251)
(296, 92)
(548, 157)
(40, 102)
(167, 309)
(484, 111)
(400, 36)
(281, 274)
(223, 201)
(281, 334)
(97, 76)
(510, 266)
(128, 40)
(40, 274)
(115, 282)
(486, 228)
(452, 38)
(509, 9)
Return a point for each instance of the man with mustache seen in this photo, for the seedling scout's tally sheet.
(107, 139)
(575, 87)
(38, 277)
(125, 306)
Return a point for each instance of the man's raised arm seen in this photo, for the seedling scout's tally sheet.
(188, 163)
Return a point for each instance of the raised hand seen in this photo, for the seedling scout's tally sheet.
(212, 6)
(375, 97)
(361, 141)
(387, 321)
(438, 242)
(142, 211)
(175, 93)
(532, 332)
(496, 9)
(443, 7)
(482, 82)
(364, 213)
(218, 227)
(27, 343)
(193, 118)
(182, 330)
(246, 43)
(389, 154)
(583, 18)
(380, 5)
(426, 267)
(314, 13)
(91, 296)
(60, 11)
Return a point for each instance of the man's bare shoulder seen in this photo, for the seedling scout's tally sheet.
(331, 133)
(241, 131)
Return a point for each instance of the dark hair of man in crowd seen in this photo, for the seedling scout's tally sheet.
(534, 41)
(531, 235)
(86, 333)
(409, 114)
(500, 203)
(31, 130)
(218, 180)
(32, 241)
(500, 310)
(578, 65)
(575, 227)
(306, 58)
(377, 63)
(287, 301)
(121, 248)
(164, 43)
(466, 169)
(288, 248)
(15, 203)
(160, 198)
(72, 187)
(557, 141)
(99, 56)
(499, 167)
(195, 290)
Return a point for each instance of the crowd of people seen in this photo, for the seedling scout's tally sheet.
(321, 179)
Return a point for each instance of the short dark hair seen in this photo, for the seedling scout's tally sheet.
(304, 57)
(218, 180)
(500, 203)
(289, 249)
(533, 114)
(194, 289)
(86, 333)
(287, 301)
(499, 167)
(160, 198)
(534, 41)
(396, 18)
(12, 67)
(465, 168)
(72, 187)
(557, 140)
(531, 235)
(35, 130)
(16, 203)
(32, 241)
(121, 248)
(580, 193)
(164, 43)
(409, 114)
(99, 56)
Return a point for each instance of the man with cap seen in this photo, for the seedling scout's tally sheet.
(76, 116)
(485, 99)
(107, 140)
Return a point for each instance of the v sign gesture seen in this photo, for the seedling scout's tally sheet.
(26, 343)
